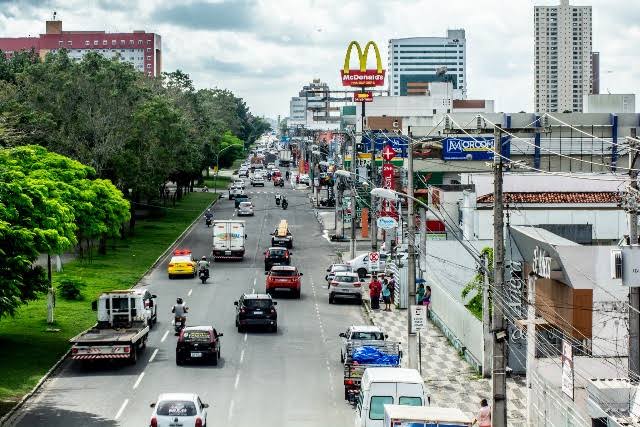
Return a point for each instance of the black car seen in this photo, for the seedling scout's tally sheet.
(240, 198)
(276, 256)
(256, 310)
(198, 343)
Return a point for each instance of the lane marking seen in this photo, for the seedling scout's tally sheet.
(190, 292)
(164, 337)
(241, 355)
(235, 385)
(153, 356)
(121, 410)
(245, 337)
(135, 386)
(230, 411)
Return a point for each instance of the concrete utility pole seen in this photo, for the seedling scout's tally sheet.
(423, 240)
(372, 179)
(634, 292)
(531, 342)
(486, 321)
(412, 338)
(499, 378)
(352, 245)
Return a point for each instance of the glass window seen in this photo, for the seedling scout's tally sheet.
(410, 401)
(283, 273)
(196, 336)
(139, 41)
(376, 410)
(258, 304)
(87, 43)
(70, 43)
(177, 408)
(60, 43)
(369, 336)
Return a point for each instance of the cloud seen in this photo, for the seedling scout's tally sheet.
(238, 69)
(229, 15)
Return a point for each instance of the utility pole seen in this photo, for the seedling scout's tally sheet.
(499, 378)
(531, 342)
(352, 245)
(634, 292)
(372, 180)
(423, 240)
(486, 321)
(412, 344)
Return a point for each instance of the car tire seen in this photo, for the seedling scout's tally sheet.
(331, 299)
(359, 299)
(297, 294)
(341, 357)
(214, 361)
(240, 328)
(170, 276)
(274, 328)
(179, 361)
(362, 272)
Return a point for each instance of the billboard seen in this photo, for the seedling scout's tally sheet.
(472, 147)
(362, 77)
(398, 142)
(363, 96)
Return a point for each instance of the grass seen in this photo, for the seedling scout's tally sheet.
(222, 182)
(28, 349)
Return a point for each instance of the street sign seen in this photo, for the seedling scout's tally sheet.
(388, 153)
(386, 223)
(418, 317)
(567, 369)
(374, 261)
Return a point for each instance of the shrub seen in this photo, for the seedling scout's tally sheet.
(69, 289)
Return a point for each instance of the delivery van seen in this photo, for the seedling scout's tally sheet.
(228, 239)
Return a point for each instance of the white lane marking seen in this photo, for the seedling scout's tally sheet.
(153, 356)
(121, 410)
(190, 292)
(164, 337)
(241, 355)
(255, 279)
(235, 385)
(230, 411)
(245, 337)
(135, 386)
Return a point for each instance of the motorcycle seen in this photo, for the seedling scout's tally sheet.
(179, 324)
(328, 202)
(208, 222)
(203, 274)
(284, 204)
(277, 200)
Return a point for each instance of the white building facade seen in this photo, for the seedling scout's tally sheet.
(563, 49)
(416, 60)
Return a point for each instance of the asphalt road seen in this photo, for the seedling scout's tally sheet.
(293, 377)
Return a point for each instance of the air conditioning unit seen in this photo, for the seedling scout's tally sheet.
(631, 266)
(616, 263)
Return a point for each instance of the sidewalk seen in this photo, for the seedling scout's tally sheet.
(451, 380)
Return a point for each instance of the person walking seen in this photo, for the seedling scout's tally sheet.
(420, 294)
(426, 300)
(386, 295)
(375, 287)
(392, 287)
(484, 415)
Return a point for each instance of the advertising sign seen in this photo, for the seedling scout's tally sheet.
(363, 96)
(362, 77)
(472, 148)
(567, 369)
(374, 261)
(386, 223)
(399, 143)
(387, 176)
(388, 152)
(418, 317)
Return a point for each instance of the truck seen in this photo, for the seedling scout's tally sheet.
(125, 318)
(391, 355)
(284, 158)
(257, 162)
(228, 239)
(420, 416)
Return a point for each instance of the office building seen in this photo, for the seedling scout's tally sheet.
(563, 49)
(298, 109)
(595, 73)
(143, 50)
(416, 61)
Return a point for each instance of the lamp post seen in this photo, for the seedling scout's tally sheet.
(215, 177)
(346, 174)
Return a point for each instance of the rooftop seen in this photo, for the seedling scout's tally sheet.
(556, 197)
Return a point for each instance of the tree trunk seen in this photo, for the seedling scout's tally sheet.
(102, 245)
(132, 220)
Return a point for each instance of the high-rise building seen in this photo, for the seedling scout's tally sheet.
(416, 61)
(563, 50)
(143, 50)
(595, 73)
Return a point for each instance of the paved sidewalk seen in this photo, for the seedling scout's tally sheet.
(450, 379)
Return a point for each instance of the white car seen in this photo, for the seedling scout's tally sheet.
(335, 268)
(236, 191)
(244, 171)
(360, 333)
(345, 285)
(257, 180)
(245, 208)
(238, 183)
(360, 264)
(304, 179)
(179, 409)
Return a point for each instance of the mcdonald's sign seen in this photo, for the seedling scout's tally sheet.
(362, 77)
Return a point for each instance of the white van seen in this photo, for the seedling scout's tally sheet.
(388, 386)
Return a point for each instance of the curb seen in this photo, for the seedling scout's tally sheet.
(46, 376)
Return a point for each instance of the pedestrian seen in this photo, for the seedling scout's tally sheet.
(386, 295)
(420, 294)
(392, 287)
(426, 300)
(374, 292)
(484, 415)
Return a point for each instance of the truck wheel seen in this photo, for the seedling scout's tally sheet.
(133, 357)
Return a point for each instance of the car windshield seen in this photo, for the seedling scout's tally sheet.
(177, 408)
(283, 273)
(369, 336)
(347, 279)
(196, 336)
(276, 252)
(185, 258)
(340, 268)
(257, 304)
(245, 204)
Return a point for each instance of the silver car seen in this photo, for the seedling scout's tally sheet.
(245, 208)
(347, 285)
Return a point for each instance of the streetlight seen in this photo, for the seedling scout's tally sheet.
(346, 174)
(215, 177)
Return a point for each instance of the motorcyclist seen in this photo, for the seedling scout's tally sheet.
(208, 215)
(180, 311)
(287, 175)
(284, 203)
(278, 198)
(205, 189)
(203, 264)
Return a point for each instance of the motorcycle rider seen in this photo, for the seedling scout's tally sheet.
(287, 175)
(278, 198)
(180, 311)
(284, 203)
(203, 264)
(208, 216)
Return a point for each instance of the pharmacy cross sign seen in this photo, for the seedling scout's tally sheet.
(388, 153)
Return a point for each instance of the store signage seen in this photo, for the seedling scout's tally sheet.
(386, 223)
(472, 148)
(387, 176)
(541, 264)
(388, 152)
(399, 143)
(362, 77)
(363, 96)
(567, 369)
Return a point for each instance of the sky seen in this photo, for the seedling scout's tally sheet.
(266, 50)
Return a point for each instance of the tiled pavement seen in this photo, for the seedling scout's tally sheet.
(451, 380)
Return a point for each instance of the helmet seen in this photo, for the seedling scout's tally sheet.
(208, 210)
(204, 258)
(179, 300)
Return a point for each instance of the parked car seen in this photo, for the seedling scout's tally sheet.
(284, 277)
(198, 343)
(304, 179)
(256, 310)
(345, 285)
(358, 334)
(360, 264)
(245, 208)
(179, 409)
(257, 180)
(240, 198)
(335, 268)
(276, 256)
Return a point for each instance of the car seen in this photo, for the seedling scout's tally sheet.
(271, 166)
(243, 171)
(284, 277)
(256, 310)
(346, 285)
(360, 333)
(179, 409)
(333, 269)
(198, 343)
(275, 173)
(181, 265)
(360, 264)
(235, 192)
(238, 183)
(281, 236)
(276, 256)
(304, 179)
(239, 199)
(257, 180)
(245, 208)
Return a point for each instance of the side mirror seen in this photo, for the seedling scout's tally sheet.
(94, 306)
(386, 335)
(265, 252)
(235, 303)
(153, 405)
(245, 236)
(206, 405)
(301, 274)
(220, 334)
(266, 273)
(328, 269)
(154, 296)
(342, 335)
(275, 303)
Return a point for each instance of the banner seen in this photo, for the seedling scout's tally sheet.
(399, 143)
(472, 148)
(362, 77)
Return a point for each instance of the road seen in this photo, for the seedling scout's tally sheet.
(292, 377)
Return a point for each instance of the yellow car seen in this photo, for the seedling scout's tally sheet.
(181, 265)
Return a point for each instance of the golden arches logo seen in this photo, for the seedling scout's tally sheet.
(362, 56)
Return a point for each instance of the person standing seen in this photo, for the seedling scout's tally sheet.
(392, 287)
(375, 287)
(426, 300)
(484, 415)
(420, 294)
(386, 295)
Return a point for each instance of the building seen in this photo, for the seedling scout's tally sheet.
(610, 103)
(317, 107)
(143, 50)
(563, 60)
(595, 73)
(415, 61)
(298, 109)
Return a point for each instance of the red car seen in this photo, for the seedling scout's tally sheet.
(276, 174)
(284, 277)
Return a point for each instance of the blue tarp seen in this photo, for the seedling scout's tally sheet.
(373, 356)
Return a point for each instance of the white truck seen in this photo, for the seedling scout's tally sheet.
(412, 416)
(284, 158)
(228, 239)
(124, 320)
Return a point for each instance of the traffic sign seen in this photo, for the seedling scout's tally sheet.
(374, 261)
(418, 317)
(388, 152)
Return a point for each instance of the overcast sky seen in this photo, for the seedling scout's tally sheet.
(265, 50)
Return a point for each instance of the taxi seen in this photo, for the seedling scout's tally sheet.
(282, 236)
(182, 263)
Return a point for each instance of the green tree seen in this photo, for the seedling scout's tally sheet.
(475, 285)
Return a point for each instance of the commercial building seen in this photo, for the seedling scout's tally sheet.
(318, 107)
(297, 109)
(563, 56)
(610, 103)
(415, 61)
(143, 50)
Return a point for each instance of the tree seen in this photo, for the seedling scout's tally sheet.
(476, 284)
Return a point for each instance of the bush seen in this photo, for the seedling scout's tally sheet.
(69, 289)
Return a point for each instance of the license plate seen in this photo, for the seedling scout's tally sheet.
(227, 252)
(257, 312)
(175, 424)
(196, 354)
